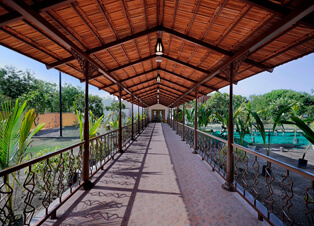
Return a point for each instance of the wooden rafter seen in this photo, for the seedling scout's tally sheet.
(40, 22)
(39, 7)
(283, 24)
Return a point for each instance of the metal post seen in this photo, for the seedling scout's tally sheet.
(132, 122)
(142, 118)
(195, 122)
(173, 118)
(120, 122)
(170, 117)
(230, 160)
(85, 168)
(138, 116)
(177, 119)
(60, 102)
(183, 118)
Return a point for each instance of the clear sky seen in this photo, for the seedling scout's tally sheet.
(297, 75)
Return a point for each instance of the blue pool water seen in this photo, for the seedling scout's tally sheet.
(280, 138)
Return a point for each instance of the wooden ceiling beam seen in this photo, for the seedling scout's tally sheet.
(154, 79)
(160, 86)
(279, 10)
(162, 69)
(39, 7)
(282, 25)
(193, 67)
(132, 63)
(34, 17)
(188, 79)
(105, 46)
(215, 48)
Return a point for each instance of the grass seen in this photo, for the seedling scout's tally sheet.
(50, 143)
(50, 139)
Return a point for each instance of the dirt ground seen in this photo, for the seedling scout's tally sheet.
(288, 156)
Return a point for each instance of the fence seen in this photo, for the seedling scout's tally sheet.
(47, 182)
(281, 194)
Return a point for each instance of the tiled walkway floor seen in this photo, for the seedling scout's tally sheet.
(156, 182)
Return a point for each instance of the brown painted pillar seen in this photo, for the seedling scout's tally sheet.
(177, 119)
(85, 155)
(230, 160)
(142, 118)
(195, 122)
(138, 117)
(132, 122)
(170, 117)
(183, 125)
(120, 122)
(173, 119)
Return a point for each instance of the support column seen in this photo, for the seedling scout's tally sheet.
(195, 123)
(142, 118)
(170, 117)
(60, 102)
(85, 169)
(173, 118)
(138, 117)
(177, 119)
(88, 70)
(230, 159)
(183, 122)
(132, 122)
(120, 122)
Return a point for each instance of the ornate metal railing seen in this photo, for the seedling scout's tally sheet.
(40, 186)
(280, 193)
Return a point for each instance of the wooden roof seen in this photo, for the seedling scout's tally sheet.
(200, 38)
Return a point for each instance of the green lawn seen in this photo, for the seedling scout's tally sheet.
(50, 143)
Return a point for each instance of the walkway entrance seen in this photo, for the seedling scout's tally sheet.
(158, 115)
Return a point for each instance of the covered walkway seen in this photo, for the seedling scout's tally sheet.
(157, 181)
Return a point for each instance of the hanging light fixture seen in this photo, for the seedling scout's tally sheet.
(158, 78)
(157, 96)
(159, 47)
(157, 90)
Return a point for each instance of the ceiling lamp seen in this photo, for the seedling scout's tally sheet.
(159, 47)
(157, 90)
(157, 96)
(158, 78)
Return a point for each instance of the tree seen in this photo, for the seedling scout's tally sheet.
(94, 104)
(14, 83)
(69, 94)
(42, 99)
(114, 110)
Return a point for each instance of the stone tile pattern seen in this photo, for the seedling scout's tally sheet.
(206, 201)
(139, 188)
(157, 181)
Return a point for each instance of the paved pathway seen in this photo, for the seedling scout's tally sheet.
(156, 182)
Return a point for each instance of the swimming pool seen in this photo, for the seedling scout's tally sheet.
(278, 138)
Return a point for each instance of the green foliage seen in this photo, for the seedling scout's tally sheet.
(15, 137)
(189, 113)
(203, 116)
(219, 101)
(54, 162)
(277, 121)
(276, 99)
(94, 124)
(308, 131)
(113, 115)
(14, 83)
(94, 104)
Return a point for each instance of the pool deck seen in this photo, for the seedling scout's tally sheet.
(157, 181)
